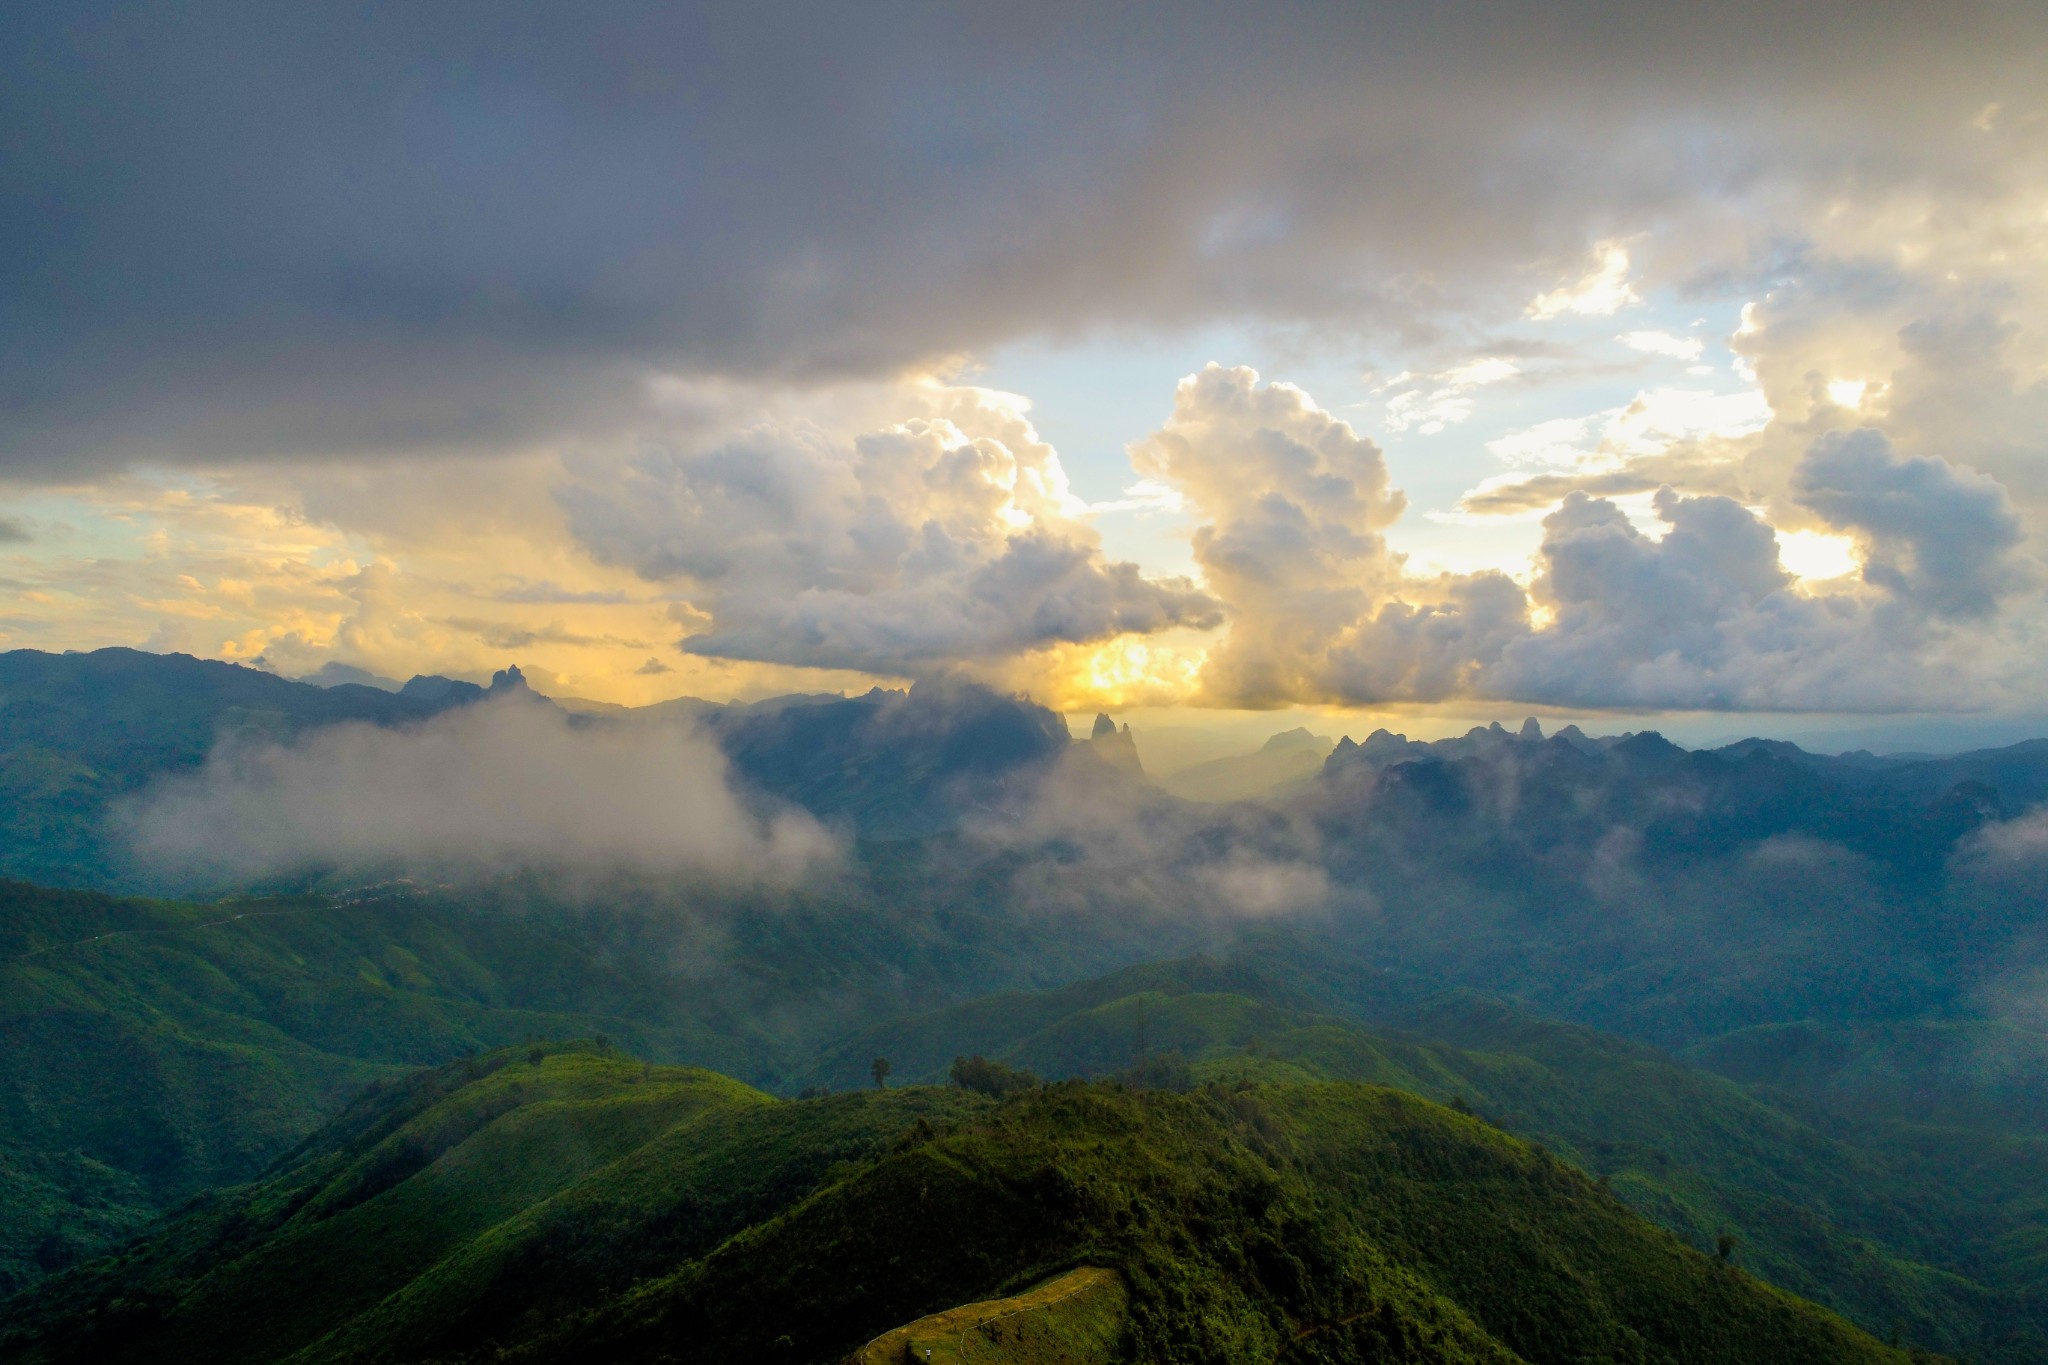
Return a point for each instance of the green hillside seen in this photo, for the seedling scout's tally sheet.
(156, 1049)
(567, 1203)
(1893, 1239)
(79, 732)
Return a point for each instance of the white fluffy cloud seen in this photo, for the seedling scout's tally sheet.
(1292, 503)
(1706, 615)
(502, 784)
(949, 537)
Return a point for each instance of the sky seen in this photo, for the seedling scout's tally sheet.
(1223, 367)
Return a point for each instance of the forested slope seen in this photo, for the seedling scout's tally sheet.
(557, 1204)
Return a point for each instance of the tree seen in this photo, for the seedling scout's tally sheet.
(1724, 1247)
(993, 1079)
(880, 1071)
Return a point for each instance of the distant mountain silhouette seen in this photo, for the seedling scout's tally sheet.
(1118, 748)
(80, 731)
(1283, 762)
(894, 764)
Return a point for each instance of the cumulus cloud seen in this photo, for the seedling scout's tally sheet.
(1939, 537)
(1703, 615)
(946, 538)
(502, 784)
(438, 233)
(1292, 503)
(1709, 616)
(1681, 621)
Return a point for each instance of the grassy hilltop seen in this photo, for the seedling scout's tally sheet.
(1916, 1241)
(567, 1203)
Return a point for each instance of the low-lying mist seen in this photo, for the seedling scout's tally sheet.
(501, 785)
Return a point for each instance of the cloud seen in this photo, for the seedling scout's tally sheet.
(1671, 622)
(2017, 844)
(512, 635)
(526, 592)
(653, 668)
(498, 785)
(1939, 537)
(241, 232)
(1664, 435)
(1292, 503)
(13, 532)
(1445, 399)
(1664, 344)
(946, 538)
(1127, 853)
(1603, 290)
(274, 255)
(1558, 442)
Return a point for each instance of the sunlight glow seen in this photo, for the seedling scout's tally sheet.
(1602, 291)
(1848, 393)
(1817, 556)
(1129, 670)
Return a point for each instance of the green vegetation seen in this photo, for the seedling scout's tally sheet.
(156, 1050)
(1890, 1238)
(588, 1208)
(159, 1049)
(979, 1074)
(1073, 1319)
(460, 1203)
(78, 732)
(164, 1050)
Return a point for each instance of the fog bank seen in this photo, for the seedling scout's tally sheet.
(499, 785)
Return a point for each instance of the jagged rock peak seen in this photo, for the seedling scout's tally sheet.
(1381, 743)
(1530, 730)
(509, 680)
(1119, 748)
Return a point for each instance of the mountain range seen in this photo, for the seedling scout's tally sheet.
(1780, 1010)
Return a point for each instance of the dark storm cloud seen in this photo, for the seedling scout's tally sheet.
(257, 229)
